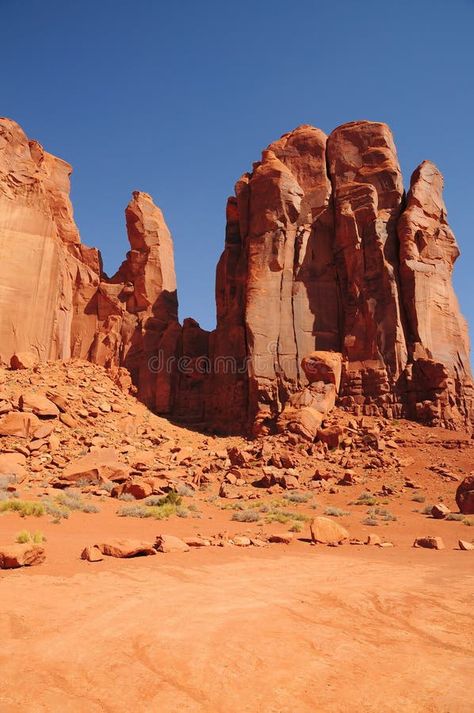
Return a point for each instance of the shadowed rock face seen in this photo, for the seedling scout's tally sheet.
(327, 264)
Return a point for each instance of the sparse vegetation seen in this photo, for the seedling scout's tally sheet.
(297, 497)
(427, 510)
(246, 516)
(284, 516)
(377, 515)
(336, 512)
(366, 499)
(296, 527)
(157, 507)
(24, 508)
(418, 498)
(26, 536)
(185, 491)
(73, 501)
(457, 516)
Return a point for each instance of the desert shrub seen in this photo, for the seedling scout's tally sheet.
(469, 521)
(126, 497)
(25, 536)
(297, 497)
(73, 501)
(365, 499)
(418, 498)
(182, 511)
(171, 498)
(6, 480)
(284, 516)
(157, 512)
(23, 507)
(185, 491)
(336, 512)
(246, 516)
(296, 527)
(382, 514)
(457, 516)
(427, 510)
(371, 521)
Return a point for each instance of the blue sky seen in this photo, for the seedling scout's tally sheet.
(178, 99)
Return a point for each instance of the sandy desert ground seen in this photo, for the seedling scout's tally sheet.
(280, 628)
(261, 631)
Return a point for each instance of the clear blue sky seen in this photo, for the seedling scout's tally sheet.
(179, 98)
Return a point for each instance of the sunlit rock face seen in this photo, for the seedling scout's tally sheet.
(333, 287)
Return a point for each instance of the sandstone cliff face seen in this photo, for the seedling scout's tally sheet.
(321, 255)
(138, 304)
(333, 287)
(55, 301)
(46, 277)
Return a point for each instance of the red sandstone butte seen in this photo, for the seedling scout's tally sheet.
(333, 287)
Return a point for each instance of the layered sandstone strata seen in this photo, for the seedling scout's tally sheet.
(333, 287)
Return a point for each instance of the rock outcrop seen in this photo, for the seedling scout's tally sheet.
(333, 287)
(55, 300)
(321, 255)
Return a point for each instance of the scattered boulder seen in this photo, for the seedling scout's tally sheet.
(44, 430)
(23, 360)
(373, 539)
(281, 538)
(138, 489)
(92, 554)
(68, 420)
(238, 457)
(241, 541)
(332, 436)
(465, 495)
(229, 491)
(197, 542)
(431, 543)
(465, 545)
(24, 555)
(439, 511)
(58, 400)
(21, 425)
(170, 543)
(126, 548)
(325, 531)
(13, 464)
(38, 404)
(95, 468)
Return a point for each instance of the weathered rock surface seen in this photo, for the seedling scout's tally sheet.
(430, 543)
(125, 548)
(326, 531)
(465, 495)
(27, 555)
(170, 543)
(333, 287)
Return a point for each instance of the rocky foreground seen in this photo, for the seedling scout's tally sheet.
(154, 567)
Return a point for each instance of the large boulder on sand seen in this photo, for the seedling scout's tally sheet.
(126, 548)
(25, 555)
(325, 531)
(465, 495)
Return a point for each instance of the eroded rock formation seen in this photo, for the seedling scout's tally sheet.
(333, 287)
